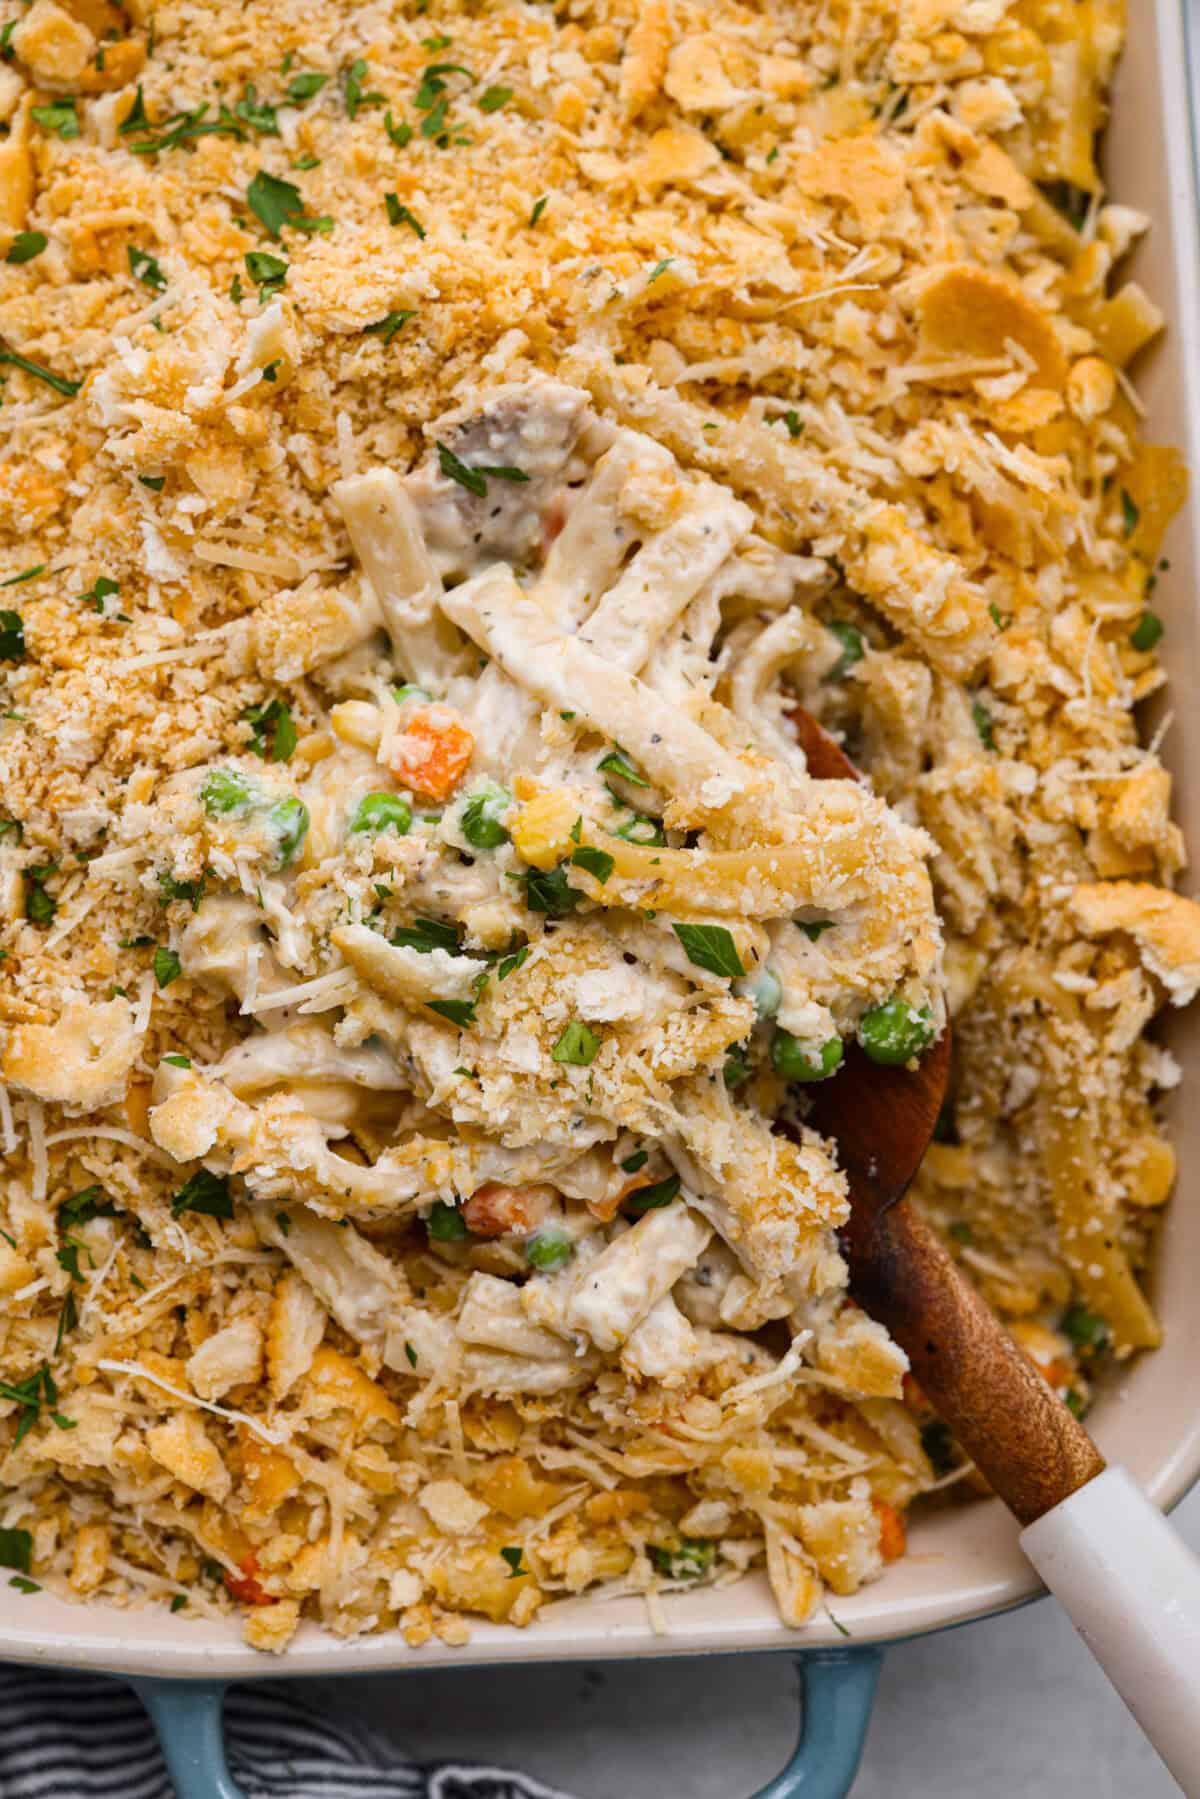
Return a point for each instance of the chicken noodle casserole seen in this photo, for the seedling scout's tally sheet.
(445, 446)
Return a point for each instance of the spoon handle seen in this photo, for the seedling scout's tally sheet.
(1031, 1449)
(1132, 1590)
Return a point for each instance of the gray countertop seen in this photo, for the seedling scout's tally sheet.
(1011, 1706)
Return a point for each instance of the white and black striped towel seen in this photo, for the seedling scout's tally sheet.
(75, 1736)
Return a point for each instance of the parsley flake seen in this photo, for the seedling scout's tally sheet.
(206, 1193)
(26, 245)
(60, 118)
(386, 328)
(400, 215)
(274, 202)
(578, 1045)
(167, 966)
(16, 1549)
(144, 268)
(12, 636)
(303, 87)
(59, 383)
(493, 98)
(711, 947)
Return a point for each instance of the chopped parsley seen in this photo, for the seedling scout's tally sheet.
(426, 934)
(273, 733)
(493, 98)
(1131, 512)
(40, 906)
(650, 1199)
(60, 118)
(103, 588)
(710, 946)
(12, 636)
(791, 419)
(596, 862)
(155, 483)
(302, 87)
(578, 1045)
(269, 272)
(191, 891)
(736, 1070)
(356, 97)
(539, 207)
(549, 891)
(30, 1394)
(59, 383)
(660, 268)
(26, 574)
(386, 328)
(258, 114)
(637, 1160)
(167, 966)
(617, 764)
(815, 927)
(16, 1549)
(400, 133)
(81, 1207)
(144, 268)
(459, 1011)
(513, 1557)
(411, 1354)
(204, 1192)
(23, 1585)
(26, 245)
(283, 1224)
(274, 202)
(509, 964)
(400, 215)
(475, 479)
(178, 1061)
(178, 1601)
(981, 718)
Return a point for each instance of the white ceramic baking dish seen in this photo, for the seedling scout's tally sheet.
(964, 1563)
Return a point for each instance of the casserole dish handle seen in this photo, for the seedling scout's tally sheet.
(837, 1690)
(186, 1715)
(837, 1687)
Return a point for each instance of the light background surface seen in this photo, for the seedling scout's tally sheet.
(1010, 1707)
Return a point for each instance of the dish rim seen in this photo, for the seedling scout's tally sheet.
(149, 1641)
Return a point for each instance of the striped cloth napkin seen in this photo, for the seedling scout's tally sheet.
(77, 1736)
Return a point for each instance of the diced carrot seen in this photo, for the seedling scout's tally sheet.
(494, 1209)
(432, 753)
(892, 1539)
(248, 1590)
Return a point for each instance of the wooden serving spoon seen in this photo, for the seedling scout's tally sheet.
(1130, 1585)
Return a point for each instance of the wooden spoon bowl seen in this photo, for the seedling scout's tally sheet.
(1030, 1448)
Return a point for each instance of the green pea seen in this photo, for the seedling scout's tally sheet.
(895, 1032)
(444, 1223)
(640, 829)
(288, 823)
(853, 647)
(379, 811)
(1147, 631)
(548, 1250)
(480, 818)
(226, 790)
(797, 1061)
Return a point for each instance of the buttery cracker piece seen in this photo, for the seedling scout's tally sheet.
(82, 1060)
(54, 47)
(185, 1449)
(963, 310)
(1164, 926)
(645, 60)
(861, 173)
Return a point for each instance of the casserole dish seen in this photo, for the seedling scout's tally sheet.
(963, 1563)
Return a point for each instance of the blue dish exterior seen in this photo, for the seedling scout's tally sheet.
(837, 1688)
